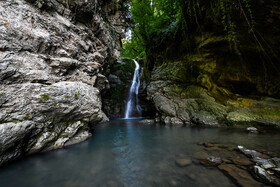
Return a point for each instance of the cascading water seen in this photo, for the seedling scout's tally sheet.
(132, 102)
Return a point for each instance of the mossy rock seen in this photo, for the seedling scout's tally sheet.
(44, 98)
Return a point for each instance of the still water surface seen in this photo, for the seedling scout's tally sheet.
(126, 153)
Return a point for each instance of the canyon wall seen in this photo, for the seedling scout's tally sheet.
(55, 57)
(199, 77)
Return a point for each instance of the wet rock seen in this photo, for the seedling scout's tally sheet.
(173, 183)
(270, 153)
(265, 176)
(252, 130)
(248, 152)
(242, 177)
(200, 155)
(265, 163)
(176, 121)
(265, 170)
(191, 176)
(147, 122)
(181, 162)
(276, 161)
(242, 161)
(105, 119)
(227, 161)
(213, 149)
(276, 171)
(212, 161)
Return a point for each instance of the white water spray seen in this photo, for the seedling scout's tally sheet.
(133, 93)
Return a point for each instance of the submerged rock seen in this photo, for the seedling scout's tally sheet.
(264, 168)
(183, 162)
(242, 163)
(212, 161)
(242, 177)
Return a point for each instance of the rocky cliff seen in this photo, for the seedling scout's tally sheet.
(198, 77)
(54, 59)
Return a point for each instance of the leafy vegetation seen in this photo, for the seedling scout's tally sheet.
(154, 20)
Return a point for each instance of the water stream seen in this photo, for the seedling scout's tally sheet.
(128, 153)
(132, 102)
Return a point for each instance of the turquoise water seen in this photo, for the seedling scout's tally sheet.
(126, 153)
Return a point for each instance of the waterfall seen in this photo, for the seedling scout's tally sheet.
(132, 102)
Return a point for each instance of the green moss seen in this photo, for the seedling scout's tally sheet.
(126, 68)
(27, 116)
(76, 96)
(3, 147)
(2, 94)
(16, 121)
(44, 98)
(268, 113)
(84, 126)
(34, 111)
(67, 97)
(55, 104)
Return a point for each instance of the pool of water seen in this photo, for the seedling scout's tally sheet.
(126, 153)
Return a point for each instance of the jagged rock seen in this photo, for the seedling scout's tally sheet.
(248, 152)
(263, 175)
(52, 54)
(263, 167)
(266, 163)
(176, 121)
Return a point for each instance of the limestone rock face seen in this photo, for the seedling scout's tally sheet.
(55, 56)
(200, 79)
(193, 104)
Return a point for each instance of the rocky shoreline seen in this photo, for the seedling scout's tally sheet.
(253, 169)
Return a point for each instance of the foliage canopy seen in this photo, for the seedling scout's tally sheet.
(152, 20)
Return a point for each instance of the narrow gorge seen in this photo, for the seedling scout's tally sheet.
(156, 93)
